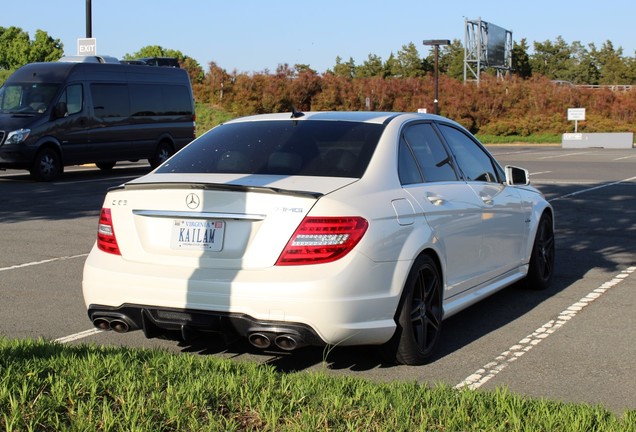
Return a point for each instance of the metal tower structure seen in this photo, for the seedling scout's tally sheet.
(486, 45)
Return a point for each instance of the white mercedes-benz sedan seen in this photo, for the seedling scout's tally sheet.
(318, 228)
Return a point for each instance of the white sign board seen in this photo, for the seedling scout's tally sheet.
(576, 113)
(87, 46)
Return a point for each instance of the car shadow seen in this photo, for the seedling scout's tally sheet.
(584, 240)
(76, 193)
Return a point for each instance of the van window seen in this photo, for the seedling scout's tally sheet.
(74, 98)
(159, 100)
(110, 100)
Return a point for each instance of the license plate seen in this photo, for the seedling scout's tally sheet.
(198, 235)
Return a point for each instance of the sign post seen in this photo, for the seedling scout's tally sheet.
(576, 114)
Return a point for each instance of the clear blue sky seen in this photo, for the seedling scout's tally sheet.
(255, 35)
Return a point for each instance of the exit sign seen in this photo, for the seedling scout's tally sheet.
(87, 46)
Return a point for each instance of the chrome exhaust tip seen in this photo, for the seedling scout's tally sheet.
(286, 342)
(101, 323)
(119, 326)
(260, 340)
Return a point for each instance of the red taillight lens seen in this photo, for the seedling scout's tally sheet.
(321, 240)
(106, 240)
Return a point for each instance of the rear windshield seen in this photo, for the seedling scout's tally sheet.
(306, 147)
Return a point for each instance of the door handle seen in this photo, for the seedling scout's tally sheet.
(487, 199)
(435, 199)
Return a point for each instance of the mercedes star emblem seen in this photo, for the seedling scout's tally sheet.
(193, 201)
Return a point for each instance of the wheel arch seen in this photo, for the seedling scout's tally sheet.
(536, 219)
(49, 142)
(434, 255)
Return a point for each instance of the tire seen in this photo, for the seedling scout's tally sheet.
(47, 165)
(541, 266)
(419, 316)
(106, 166)
(162, 153)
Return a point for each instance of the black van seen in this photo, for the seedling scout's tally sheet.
(67, 113)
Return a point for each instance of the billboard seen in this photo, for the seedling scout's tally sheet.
(496, 45)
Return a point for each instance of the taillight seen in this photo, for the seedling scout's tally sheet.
(106, 239)
(321, 240)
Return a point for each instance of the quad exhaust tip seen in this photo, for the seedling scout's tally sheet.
(118, 325)
(285, 342)
(260, 340)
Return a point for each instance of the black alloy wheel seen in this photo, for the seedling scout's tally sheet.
(541, 266)
(420, 315)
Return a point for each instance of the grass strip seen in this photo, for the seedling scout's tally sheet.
(47, 386)
(518, 139)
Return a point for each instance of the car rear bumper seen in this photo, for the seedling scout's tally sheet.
(350, 302)
(184, 324)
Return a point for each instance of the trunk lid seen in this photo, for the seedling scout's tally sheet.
(226, 221)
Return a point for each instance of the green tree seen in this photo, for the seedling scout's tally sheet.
(346, 70)
(44, 48)
(553, 60)
(611, 64)
(195, 71)
(630, 63)
(372, 67)
(520, 59)
(586, 70)
(451, 60)
(17, 49)
(390, 66)
(408, 62)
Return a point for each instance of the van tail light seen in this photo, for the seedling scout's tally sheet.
(194, 125)
(319, 240)
(106, 239)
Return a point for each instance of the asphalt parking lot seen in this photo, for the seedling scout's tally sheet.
(573, 342)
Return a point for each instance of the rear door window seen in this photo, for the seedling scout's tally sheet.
(434, 161)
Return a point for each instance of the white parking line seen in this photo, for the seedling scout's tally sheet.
(490, 370)
(564, 155)
(625, 157)
(593, 188)
(42, 262)
(76, 336)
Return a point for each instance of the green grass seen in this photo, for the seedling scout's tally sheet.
(52, 387)
(209, 116)
(515, 139)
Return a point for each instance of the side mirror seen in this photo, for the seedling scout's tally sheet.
(516, 176)
(60, 110)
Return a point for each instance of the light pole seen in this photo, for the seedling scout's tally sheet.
(89, 20)
(436, 43)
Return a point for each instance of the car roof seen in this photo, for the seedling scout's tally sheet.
(352, 116)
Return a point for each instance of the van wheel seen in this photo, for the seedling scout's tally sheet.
(419, 316)
(105, 165)
(47, 165)
(162, 153)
